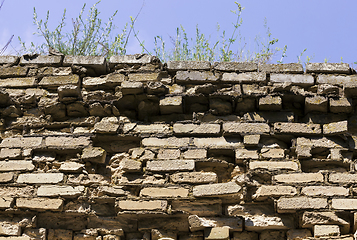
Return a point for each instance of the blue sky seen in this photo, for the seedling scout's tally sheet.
(327, 29)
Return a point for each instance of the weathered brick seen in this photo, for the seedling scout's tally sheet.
(63, 191)
(15, 71)
(8, 59)
(325, 191)
(295, 79)
(194, 177)
(129, 165)
(152, 128)
(40, 204)
(236, 66)
(270, 103)
(41, 60)
(200, 223)
(326, 231)
(195, 77)
(217, 142)
(129, 87)
(282, 68)
(247, 77)
(343, 178)
(328, 68)
(21, 142)
(6, 177)
(265, 191)
(294, 178)
(216, 233)
(73, 167)
(170, 165)
(316, 104)
(188, 65)
(67, 142)
(131, 205)
(344, 204)
(172, 142)
(341, 105)
(274, 165)
(200, 207)
(144, 77)
(297, 128)
(56, 81)
(6, 202)
(286, 205)
(197, 129)
(309, 219)
(40, 178)
(94, 154)
(335, 127)
(195, 153)
(251, 140)
(98, 63)
(111, 190)
(246, 128)
(16, 165)
(341, 80)
(103, 82)
(244, 154)
(169, 105)
(10, 229)
(16, 238)
(24, 82)
(216, 189)
(155, 192)
(269, 117)
(132, 59)
(168, 154)
(272, 153)
(107, 126)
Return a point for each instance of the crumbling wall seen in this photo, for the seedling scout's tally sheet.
(131, 148)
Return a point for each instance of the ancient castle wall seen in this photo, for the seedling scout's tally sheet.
(132, 148)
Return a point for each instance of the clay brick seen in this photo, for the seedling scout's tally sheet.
(169, 192)
(152, 205)
(343, 178)
(217, 143)
(8, 59)
(109, 81)
(344, 204)
(188, 65)
(270, 103)
(63, 191)
(194, 177)
(72, 167)
(294, 178)
(272, 153)
(295, 79)
(247, 77)
(41, 60)
(10, 229)
(325, 191)
(340, 80)
(6, 177)
(106, 127)
(286, 205)
(16, 238)
(16, 165)
(128, 87)
(197, 129)
(200, 207)
(335, 127)
(197, 223)
(266, 191)
(111, 190)
(217, 189)
(251, 140)
(309, 219)
(170, 165)
(270, 117)
(297, 128)
(152, 129)
(274, 165)
(40, 204)
(15, 71)
(328, 68)
(169, 105)
(132, 59)
(246, 128)
(129, 165)
(341, 105)
(40, 178)
(326, 231)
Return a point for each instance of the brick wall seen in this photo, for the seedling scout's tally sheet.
(132, 148)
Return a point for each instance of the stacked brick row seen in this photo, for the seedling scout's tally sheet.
(131, 148)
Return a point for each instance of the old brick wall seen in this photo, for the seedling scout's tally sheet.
(132, 148)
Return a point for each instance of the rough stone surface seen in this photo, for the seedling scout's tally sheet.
(212, 190)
